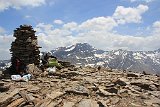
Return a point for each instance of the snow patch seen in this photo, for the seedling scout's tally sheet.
(78, 63)
(91, 65)
(68, 54)
(100, 63)
(117, 53)
(98, 55)
(70, 48)
(77, 57)
(151, 55)
(137, 55)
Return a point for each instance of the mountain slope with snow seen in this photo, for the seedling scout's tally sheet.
(84, 54)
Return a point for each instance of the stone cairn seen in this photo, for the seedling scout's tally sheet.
(25, 46)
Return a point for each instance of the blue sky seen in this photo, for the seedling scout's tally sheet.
(105, 24)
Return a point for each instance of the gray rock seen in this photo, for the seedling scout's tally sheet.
(132, 75)
(152, 100)
(136, 105)
(72, 73)
(155, 93)
(114, 100)
(68, 104)
(137, 88)
(55, 94)
(112, 90)
(123, 91)
(78, 90)
(103, 92)
(110, 85)
(120, 82)
(5, 100)
(1, 72)
(153, 87)
(145, 86)
(34, 89)
(102, 103)
(87, 103)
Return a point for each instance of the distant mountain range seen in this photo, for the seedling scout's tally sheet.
(4, 64)
(84, 54)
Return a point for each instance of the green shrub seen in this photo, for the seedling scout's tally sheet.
(53, 62)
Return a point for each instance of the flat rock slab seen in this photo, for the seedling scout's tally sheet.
(112, 90)
(87, 103)
(132, 75)
(155, 93)
(153, 100)
(3, 88)
(142, 85)
(55, 94)
(68, 104)
(114, 100)
(78, 90)
(5, 100)
(100, 89)
(121, 82)
(16, 103)
(54, 103)
(103, 92)
(34, 89)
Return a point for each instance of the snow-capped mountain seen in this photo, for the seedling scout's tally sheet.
(84, 54)
(4, 64)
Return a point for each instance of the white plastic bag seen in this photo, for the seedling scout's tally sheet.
(19, 78)
(51, 69)
(26, 77)
(16, 77)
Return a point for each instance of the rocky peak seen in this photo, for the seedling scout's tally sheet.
(158, 50)
(84, 54)
(83, 47)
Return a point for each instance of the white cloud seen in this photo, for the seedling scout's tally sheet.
(98, 23)
(58, 22)
(129, 15)
(5, 43)
(147, 1)
(27, 16)
(102, 39)
(17, 4)
(98, 31)
(70, 26)
(41, 27)
(50, 38)
(156, 27)
(2, 30)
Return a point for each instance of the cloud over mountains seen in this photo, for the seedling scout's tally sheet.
(99, 31)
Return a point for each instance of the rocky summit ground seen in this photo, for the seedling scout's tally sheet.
(83, 87)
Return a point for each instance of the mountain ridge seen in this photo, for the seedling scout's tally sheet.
(84, 54)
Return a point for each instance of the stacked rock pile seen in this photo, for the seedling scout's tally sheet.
(25, 46)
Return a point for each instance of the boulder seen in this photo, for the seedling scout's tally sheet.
(55, 94)
(121, 82)
(103, 92)
(132, 75)
(78, 89)
(68, 104)
(87, 103)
